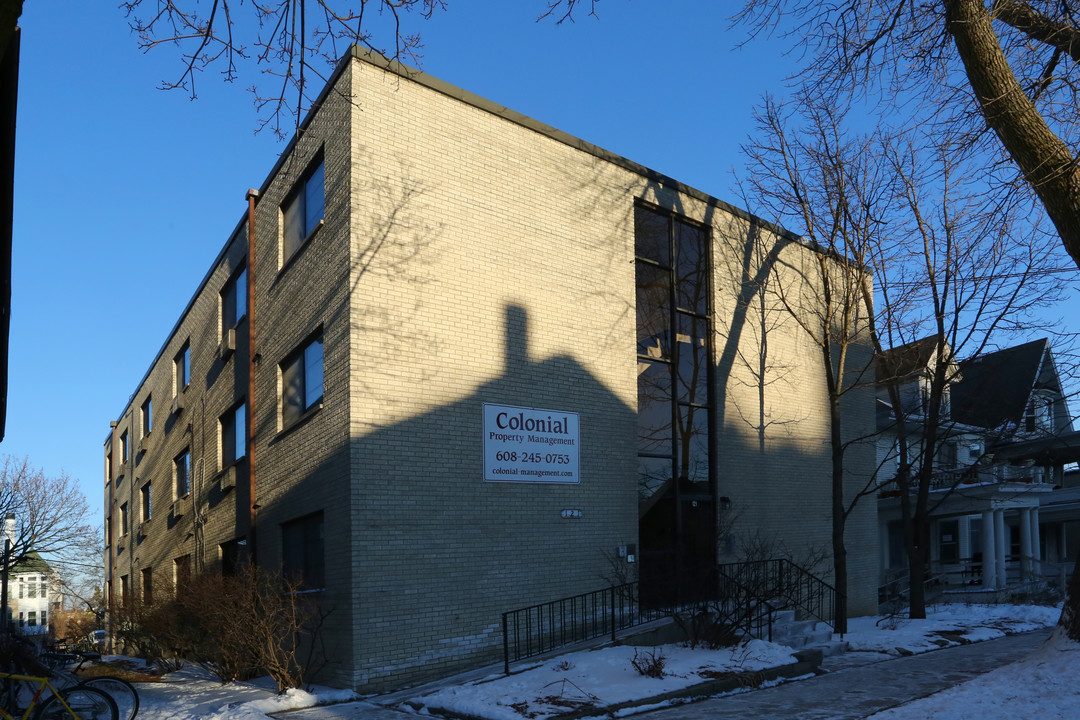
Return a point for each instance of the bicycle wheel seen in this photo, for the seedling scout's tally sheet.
(86, 704)
(121, 691)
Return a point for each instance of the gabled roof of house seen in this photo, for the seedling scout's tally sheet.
(995, 387)
(32, 563)
(905, 360)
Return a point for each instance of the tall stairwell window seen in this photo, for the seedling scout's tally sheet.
(676, 488)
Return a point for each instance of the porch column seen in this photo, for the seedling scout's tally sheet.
(1001, 547)
(1036, 544)
(989, 576)
(1025, 543)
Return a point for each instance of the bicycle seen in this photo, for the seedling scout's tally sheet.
(73, 703)
(121, 691)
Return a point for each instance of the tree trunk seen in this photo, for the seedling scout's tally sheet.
(1070, 612)
(1045, 161)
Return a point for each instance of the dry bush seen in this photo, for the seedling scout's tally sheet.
(649, 664)
(236, 627)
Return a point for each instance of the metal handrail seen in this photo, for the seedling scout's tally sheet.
(747, 593)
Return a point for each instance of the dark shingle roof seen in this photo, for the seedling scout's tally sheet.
(995, 387)
(32, 562)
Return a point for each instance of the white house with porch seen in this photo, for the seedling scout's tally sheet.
(1006, 440)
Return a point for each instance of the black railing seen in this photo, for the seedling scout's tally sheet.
(786, 585)
(744, 596)
(539, 629)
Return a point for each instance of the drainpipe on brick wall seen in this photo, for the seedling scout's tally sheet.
(252, 197)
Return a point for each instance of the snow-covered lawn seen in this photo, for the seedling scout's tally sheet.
(607, 676)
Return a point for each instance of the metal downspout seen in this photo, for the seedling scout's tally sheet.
(252, 197)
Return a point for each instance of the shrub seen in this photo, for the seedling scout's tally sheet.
(650, 664)
(236, 627)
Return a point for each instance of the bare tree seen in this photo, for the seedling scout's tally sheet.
(955, 271)
(48, 515)
(1009, 65)
(834, 188)
(288, 42)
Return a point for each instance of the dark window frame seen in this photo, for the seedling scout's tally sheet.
(234, 299)
(147, 409)
(298, 210)
(145, 501)
(303, 551)
(297, 380)
(233, 443)
(182, 366)
(182, 481)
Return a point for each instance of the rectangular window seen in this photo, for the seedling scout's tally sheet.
(233, 435)
(234, 300)
(303, 210)
(31, 590)
(302, 381)
(125, 589)
(181, 571)
(123, 520)
(148, 585)
(231, 556)
(183, 367)
(147, 418)
(182, 463)
(43, 590)
(44, 620)
(949, 541)
(31, 618)
(22, 590)
(145, 498)
(124, 447)
(302, 551)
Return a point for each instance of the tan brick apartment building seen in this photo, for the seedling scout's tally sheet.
(483, 349)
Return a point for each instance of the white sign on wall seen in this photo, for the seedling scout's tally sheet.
(530, 445)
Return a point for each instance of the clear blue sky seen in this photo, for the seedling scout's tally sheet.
(124, 193)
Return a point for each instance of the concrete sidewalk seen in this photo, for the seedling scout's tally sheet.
(850, 693)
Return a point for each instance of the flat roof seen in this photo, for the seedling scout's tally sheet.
(421, 78)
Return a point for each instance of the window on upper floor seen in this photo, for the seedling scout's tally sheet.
(182, 362)
(234, 300)
(302, 211)
(182, 473)
(144, 496)
(147, 416)
(302, 380)
(125, 589)
(302, 552)
(31, 589)
(1039, 416)
(233, 435)
(124, 447)
(124, 519)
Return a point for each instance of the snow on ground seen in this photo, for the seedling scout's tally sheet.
(944, 626)
(194, 694)
(600, 678)
(1043, 685)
